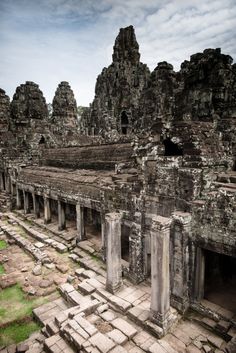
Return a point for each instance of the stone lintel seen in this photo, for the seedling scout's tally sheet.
(183, 218)
(160, 223)
(113, 216)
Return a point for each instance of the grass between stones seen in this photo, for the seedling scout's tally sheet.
(16, 323)
(15, 304)
(2, 271)
(3, 245)
(17, 332)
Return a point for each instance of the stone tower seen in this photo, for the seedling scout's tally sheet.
(64, 106)
(28, 104)
(4, 111)
(118, 90)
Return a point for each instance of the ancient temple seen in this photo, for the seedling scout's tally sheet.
(146, 181)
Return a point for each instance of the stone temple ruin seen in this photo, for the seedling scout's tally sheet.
(146, 182)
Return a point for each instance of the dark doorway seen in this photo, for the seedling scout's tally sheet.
(21, 197)
(41, 205)
(93, 228)
(172, 149)
(125, 233)
(42, 140)
(70, 211)
(54, 210)
(124, 123)
(31, 203)
(220, 280)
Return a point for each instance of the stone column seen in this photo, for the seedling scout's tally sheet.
(80, 222)
(18, 199)
(47, 210)
(26, 202)
(136, 250)
(113, 251)
(36, 205)
(180, 234)
(61, 215)
(8, 184)
(199, 275)
(160, 276)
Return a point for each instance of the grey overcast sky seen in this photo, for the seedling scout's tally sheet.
(49, 41)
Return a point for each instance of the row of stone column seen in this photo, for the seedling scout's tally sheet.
(48, 212)
(160, 250)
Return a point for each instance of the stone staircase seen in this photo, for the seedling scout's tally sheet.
(63, 237)
(90, 324)
(227, 181)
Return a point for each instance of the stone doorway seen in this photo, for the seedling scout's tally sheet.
(30, 202)
(93, 228)
(124, 123)
(171, 148)
(70, 214)
(125, 234)
(54, 210)
(220, 280)
(40, 206)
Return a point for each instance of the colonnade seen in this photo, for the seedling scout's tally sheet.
(111, 224)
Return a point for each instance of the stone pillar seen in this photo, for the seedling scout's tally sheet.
(180, 234)
(8, 184)
(80, 222)
(47, 210)
(199, 275)
(113, 251)
(36, 205)
(26, 202)
(160, 276)
(61, 215)
(18, 199)
(136, 250)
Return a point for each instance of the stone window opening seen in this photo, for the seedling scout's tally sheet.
(42, 140)
(171, 148)
(124, 123)
(220, 280)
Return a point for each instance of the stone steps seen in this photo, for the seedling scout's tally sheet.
(214, 323)
(56, 344)
(41, 228)
(229, 177)
(39, 236)
(25, 244)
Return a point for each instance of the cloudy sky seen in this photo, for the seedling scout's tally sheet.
(48, 41)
